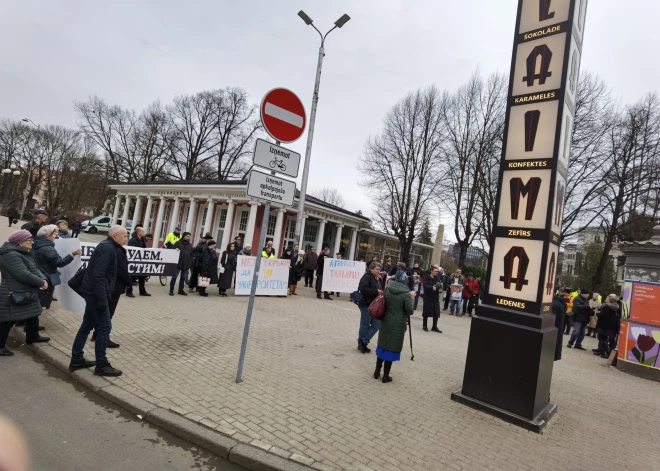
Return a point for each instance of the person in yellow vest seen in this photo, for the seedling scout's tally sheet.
(267, 252)
(569, 312)
(172, 238)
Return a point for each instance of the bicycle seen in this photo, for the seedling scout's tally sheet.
(278, 163)
(163, 280)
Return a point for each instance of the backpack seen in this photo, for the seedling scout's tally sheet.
(356, 297)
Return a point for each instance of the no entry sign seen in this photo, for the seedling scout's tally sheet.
(283, 115)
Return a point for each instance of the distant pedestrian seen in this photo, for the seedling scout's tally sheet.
(594, 304)
(338, 256)
(432, 291)
(12, 215)
(97, 287)
(453, 279)
(559, 310)
(21, 282)
(418, 280)
(246, 251)
(320, 265)
(294, 252)
(399, 306)
(138, 240)
(172, 238)
(185, 250)
(370, 287)
(267, 252)
(228, 264)
(237, 245)
(197, 261)
(608, 326)
(49, 260)
(470, 294)
(296, 272)
(456, 296)
(63, 229)
(311, 259)
(581, 314)
(209, 266)
(76, 227)
(39, 218)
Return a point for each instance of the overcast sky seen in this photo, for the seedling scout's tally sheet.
(131, 52)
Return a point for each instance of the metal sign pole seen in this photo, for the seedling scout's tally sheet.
(253, 289)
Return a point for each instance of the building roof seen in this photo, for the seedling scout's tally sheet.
(382, 235)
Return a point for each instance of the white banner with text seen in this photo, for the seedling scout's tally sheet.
(342, 276)
(273, 276)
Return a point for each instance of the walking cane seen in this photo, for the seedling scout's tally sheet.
(412, 357)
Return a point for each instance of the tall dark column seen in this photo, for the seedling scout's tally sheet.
(510, 355)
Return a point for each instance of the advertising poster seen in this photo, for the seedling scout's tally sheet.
(642, 345)
(342, 276)
(645, 303)
(273, 277)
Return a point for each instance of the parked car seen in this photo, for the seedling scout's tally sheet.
(102, 224)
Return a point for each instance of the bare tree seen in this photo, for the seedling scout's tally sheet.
(330, 195)
(473, 125)
(400, 166)
(594, 118)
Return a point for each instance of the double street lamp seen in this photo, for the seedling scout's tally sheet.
(7, 184)
(312, 118)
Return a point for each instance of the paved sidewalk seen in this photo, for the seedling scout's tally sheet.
(309, 395)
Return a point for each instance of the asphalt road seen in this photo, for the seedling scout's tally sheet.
(70, 428)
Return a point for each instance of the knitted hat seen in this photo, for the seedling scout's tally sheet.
(47, 230)
(401, 276)
(18, 237)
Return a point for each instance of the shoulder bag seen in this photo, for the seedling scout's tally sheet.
(55, 279)
(377, 308)
(75, 283)
(21, 298)
(203, 281)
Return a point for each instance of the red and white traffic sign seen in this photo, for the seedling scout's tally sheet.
(283, 115)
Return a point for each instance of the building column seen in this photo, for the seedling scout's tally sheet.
(145, 222)
(320, 234)
(351, 254)
(192, 216)
(174, 220)
(115, 213)
(138, 210)
(252, 221)
(159, 222)
(226, 234)
(124, 216)
(340, 227)
(210, 205)
(301, 242)
(277, 238)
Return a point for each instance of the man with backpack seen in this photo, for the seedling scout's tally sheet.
(370, 287)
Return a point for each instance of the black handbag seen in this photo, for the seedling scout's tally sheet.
(21, 298)
(75, 283)
(55, 278)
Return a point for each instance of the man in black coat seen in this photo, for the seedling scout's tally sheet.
(432, 291)
(138, 240)
(38, 220)
(311, 259)
(581, 315)
(319, 274)
(370, 287)
(237, 244)
(98, 284)
(196, 263)
(12, 213)
(559, 310)
(185, 249)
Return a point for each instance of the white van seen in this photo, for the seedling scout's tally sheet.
(102, 224)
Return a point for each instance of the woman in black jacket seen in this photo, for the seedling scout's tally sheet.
(607, 326)
(209, 265)
(432, 289)
(228, 263)
(296, 272)
(370, 287)
(49, 260)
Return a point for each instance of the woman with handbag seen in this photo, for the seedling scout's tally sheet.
(208, 268)
(227, 269)
(21, 282)
(49, 260)
(398, 307)
(296, 272)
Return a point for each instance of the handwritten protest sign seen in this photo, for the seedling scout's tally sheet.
(273, 276)
(342, 276)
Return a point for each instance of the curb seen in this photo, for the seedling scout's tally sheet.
(242, 454)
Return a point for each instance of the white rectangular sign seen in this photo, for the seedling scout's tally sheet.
(276, 158)
(342, 276)
(273, 276)
(271, 188)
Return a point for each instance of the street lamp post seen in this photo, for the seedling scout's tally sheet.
(30, 170)
(312, 118)
(7, 176)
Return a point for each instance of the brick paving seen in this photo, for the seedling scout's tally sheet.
(309, 395)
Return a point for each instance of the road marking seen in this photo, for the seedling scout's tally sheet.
(284, 115)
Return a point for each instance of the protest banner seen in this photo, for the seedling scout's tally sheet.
(273, 276)
(342, 276)
(140, 262)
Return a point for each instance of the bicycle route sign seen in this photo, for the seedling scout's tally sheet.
(283, 115)
(276, 158)
(271, 188)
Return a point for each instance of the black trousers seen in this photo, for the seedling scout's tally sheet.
(447, 298)
(435, 320)
(319, 283)
(31, 330)
(309, 277)
(141, 280)
(11, 220)
(75, 234)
